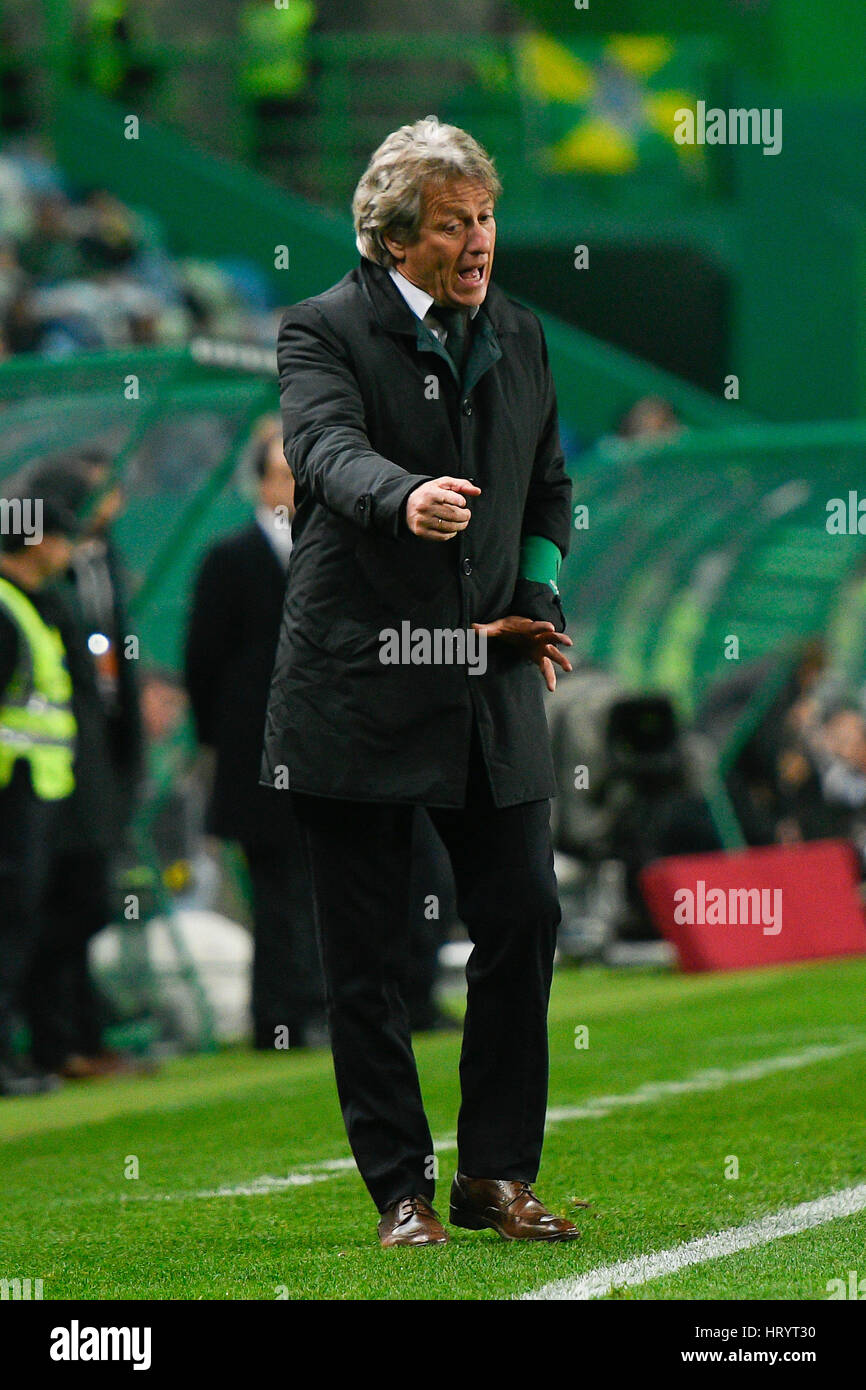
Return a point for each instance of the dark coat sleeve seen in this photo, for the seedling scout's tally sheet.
(213, 628)
(548, 506)
(326, 444)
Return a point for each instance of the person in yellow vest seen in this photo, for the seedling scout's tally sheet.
(275, 69)
(113, 50)
(61, 1000)
(37, 749)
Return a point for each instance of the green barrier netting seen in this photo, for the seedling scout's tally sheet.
(682, 547)
(176, 429)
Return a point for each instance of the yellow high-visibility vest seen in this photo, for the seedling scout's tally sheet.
(106, 51)
(36, 719)
(273, 43)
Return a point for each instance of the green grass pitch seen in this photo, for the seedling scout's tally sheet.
(653, 1166)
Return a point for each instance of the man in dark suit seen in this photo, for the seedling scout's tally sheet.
(232, 638)
(422, 619)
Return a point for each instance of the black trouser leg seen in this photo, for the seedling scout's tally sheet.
(25, 841)
(63, 1009)
(431, 912)
(287, 976)
(360, 858)
(507, 897)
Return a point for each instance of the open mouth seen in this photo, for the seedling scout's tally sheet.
(473, 276)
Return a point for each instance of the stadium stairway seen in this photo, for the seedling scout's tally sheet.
(710, 536)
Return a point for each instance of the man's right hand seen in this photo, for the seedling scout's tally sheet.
(437, 511)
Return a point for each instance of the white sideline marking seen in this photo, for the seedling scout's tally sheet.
(257, 1186)
(711, 1079)
(787, 1222)
(596, 1108)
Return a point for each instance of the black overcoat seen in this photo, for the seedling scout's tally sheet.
(372, 407)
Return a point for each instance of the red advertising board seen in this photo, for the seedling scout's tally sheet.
(758, 906)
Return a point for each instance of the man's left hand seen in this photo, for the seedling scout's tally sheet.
(539, 641)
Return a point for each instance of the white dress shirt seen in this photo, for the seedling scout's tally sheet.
(277, 532)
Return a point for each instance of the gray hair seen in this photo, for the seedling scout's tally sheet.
(389, 195)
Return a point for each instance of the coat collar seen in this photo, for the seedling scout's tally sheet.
(496, 317)
(394, 314)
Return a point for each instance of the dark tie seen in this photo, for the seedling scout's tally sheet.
(456, 325)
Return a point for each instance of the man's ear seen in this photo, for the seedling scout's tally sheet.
(395, 246)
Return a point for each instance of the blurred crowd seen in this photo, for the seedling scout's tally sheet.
(81, 270)
(801, 775)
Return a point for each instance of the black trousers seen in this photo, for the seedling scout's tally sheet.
(26, 837)
(61, 1003)
(432, 915)
(287, 987)
(360, 858)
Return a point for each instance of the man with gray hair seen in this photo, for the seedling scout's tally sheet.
(420, 423)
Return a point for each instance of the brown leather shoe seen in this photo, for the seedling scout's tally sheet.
(511, 1208)
(411, 1221)
(105, 1064)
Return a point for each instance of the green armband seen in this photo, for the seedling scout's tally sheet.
(540, 560)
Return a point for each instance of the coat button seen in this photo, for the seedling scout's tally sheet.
(467, 407)
(467, 566)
